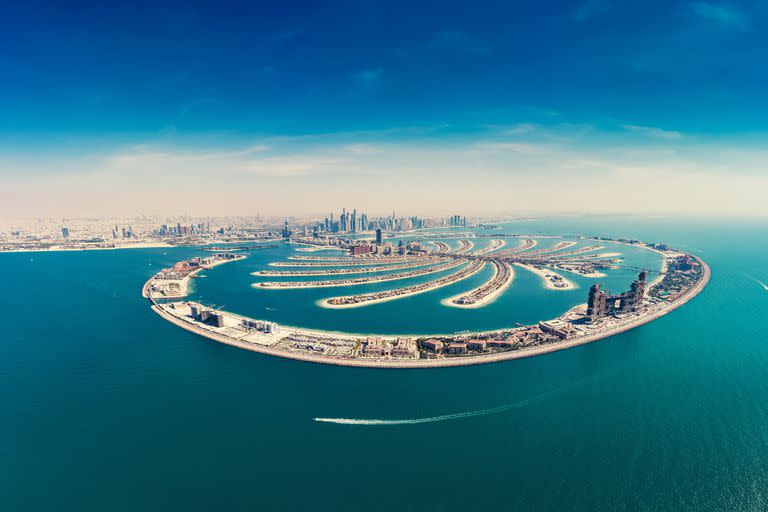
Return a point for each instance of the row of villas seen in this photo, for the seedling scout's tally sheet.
(404, 348)
(520, 337)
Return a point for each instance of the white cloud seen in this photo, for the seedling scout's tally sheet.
(361, 149)
(516, 147)
(726, 16)
(521, 129)
(474, 173)
(652, 131)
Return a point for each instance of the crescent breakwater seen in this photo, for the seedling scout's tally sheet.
(682, 277)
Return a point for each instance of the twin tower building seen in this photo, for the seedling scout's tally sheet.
(602, 304)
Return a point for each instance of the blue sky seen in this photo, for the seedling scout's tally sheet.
(291, 96)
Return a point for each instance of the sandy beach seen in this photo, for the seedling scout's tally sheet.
(292, 285)
(444, 362)
(345, 271)
(56, 248)
(476, 266)
(493, 246)
(568, 285)
(488, 299)
(590, 275)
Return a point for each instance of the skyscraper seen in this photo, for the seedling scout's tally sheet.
(596, 304)
(378, 236)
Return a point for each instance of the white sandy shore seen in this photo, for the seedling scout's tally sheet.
(522, 248)
(184, 282)
(590, 275)
(293, 285)
(315, 249)
(347, 271)
(488, 299)
(543, 274)
(323, 303)
(466, 246)
(56, 248)
(555, 248)
(495, 245)
(341, 263)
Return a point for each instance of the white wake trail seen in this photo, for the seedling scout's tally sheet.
(430, 419)
(765, 286)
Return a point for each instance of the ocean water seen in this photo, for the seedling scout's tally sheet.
(108, 407)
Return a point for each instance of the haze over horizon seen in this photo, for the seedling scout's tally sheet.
(564, 107)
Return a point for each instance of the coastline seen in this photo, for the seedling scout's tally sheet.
(448, 362)
(184, 288)
(356, 281)
(569, 285)
(344, 271)
(140, 245)
(323, 303)
(488, 299)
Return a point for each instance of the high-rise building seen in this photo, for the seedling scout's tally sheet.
(596, 304)
(601, 304)
(65, 232)
(378, 236)
(286, 231)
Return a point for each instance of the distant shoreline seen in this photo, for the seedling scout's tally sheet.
(141, 245)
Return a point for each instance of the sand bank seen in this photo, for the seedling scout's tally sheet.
(486, 299)
(549, 277)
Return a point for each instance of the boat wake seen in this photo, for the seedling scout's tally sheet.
(430, 419)
(765, 286)
(448, 417)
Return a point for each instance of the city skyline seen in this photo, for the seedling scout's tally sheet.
(508, 109)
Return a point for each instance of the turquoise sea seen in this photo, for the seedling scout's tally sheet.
(108, 407)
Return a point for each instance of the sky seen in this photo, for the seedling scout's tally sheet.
(428, 108)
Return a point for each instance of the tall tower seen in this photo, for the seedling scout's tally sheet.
(596, 304)
(637, 291)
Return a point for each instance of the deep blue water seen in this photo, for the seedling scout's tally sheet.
(108, 407)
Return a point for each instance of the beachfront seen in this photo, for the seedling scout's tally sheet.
(314, 340)
(680, 276)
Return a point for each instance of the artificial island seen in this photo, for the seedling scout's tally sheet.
(365, 256)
